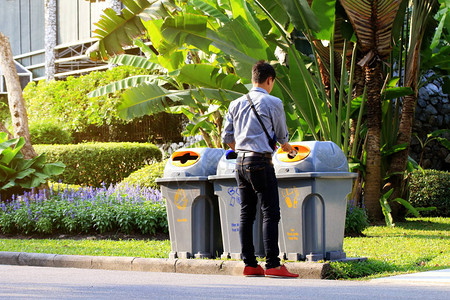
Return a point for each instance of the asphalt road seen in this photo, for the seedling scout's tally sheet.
(24, 282)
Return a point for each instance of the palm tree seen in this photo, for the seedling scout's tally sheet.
(373, 21)
(421, 14)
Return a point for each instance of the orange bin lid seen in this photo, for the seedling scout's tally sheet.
(184, 158)
(302, 153)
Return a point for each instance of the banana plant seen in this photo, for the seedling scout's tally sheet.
(238, 34)
(203, 103)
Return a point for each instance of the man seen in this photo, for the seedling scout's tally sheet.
(255, 173)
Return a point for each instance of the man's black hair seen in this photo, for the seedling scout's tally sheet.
(261, 71)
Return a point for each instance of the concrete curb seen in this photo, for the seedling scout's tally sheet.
(307, 270)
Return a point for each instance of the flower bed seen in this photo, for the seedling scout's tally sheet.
(126, 209)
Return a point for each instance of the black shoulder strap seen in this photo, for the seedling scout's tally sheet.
(258, 117)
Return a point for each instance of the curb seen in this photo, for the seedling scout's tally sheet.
(306, 270)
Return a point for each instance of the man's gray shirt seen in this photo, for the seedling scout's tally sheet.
(243, 127)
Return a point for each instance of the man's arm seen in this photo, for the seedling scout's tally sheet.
(232, 145)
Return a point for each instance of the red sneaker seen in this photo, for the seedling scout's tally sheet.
(281, 272)
(252, 272)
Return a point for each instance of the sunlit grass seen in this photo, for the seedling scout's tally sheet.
(420, 244)
(134, 248)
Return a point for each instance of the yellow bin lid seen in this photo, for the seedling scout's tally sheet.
(302, 153)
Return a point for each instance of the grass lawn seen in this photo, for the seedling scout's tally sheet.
(416, 245)
(133, 248)
(420, 244)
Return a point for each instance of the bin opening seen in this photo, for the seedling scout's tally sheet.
(230, 154)
(185, 158)
(302, 153)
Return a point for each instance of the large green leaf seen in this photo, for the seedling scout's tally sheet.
(276, 9)
(397, 92)
(53, 169)
(135, 61)
(126, 83)
(148, 99)
(24, 173)
(8, 154)
(209, 8)
(239, 9)
(7, 170)
(301, 15)
(210, 77)
(325, 12)
(118, 31)
(145, 99)
(236, 38)
(187, 29)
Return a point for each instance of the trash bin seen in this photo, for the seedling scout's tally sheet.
(225, 187)
(313, 189)
(192, 207)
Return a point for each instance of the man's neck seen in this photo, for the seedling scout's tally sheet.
(261, 86)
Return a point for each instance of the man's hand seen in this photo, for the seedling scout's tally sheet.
(289, 149)
(232, 146)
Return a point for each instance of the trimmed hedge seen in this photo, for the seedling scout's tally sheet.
(146, 177)
(49, 133)
(97, 163)
(431, 188)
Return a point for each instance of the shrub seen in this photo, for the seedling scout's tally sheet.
(126, 210)
(146, 176)
(49, 133)
(356, 219)
(430, 188)
(19, 174)
(94, 164)
(65, 102)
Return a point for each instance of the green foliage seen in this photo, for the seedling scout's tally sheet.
(4, 111)
(430, 188)
(146, 176)
(49, 133)
(18, 173)
(65, 102)
(356, 220)
(97, 163)
(386, 208)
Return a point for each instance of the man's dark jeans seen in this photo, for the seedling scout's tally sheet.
(257, 182)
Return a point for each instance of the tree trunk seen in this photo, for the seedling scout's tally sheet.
(19, 117)
(372, 184)
(50, 39)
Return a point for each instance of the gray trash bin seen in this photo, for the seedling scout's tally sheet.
(225, 187)
(192, 207)
(313, 189)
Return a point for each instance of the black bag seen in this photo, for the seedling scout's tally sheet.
(272, 140)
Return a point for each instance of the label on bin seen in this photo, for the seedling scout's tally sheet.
(290, 197)
(180, 199)
(292, 234)
(234, 196)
